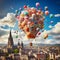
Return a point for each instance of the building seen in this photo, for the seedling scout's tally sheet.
(10, 41)
(23, 57)
(21, 52)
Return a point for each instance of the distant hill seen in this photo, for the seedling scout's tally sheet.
(36, 44)
(48, 44)
(57, 44)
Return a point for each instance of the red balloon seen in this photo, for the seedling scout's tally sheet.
(39, 33)
(25, 6)
(46, 12)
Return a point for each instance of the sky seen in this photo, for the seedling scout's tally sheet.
(7, 13)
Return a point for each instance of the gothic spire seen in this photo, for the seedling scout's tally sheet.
(10, 40)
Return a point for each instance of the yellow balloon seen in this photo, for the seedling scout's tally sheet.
(45, 36)
(22, 15)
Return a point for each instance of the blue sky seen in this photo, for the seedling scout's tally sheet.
(53, 6)
(10, 6)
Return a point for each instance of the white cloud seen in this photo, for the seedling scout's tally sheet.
(21, 37)
(55, 32)
(40, 39)
(57, 15)
(3, 32)
(57, 37)
(50, 26)
(3, 36)
(8, 20)
(47, 41)
(4, 39)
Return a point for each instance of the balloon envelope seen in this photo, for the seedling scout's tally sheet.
(46, 8)
(46, 12)
(51, 15)
(37, 4)
(45, 36)
(30, 20)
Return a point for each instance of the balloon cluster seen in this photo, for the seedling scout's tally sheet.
(31, 20)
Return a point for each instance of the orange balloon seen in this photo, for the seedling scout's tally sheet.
(20, 26)
(33, 11)
(32, 23)
(22, 15)
(30, 35)
(45, 36)
(34, 29)
(46, 12)
(26, 29)
(42, 26)
(30, 13)
(39, 11)
(40, 22)
(23, 23)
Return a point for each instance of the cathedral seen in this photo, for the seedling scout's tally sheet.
(10, 41)
(10, 45)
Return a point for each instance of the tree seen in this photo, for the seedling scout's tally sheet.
(16, 51)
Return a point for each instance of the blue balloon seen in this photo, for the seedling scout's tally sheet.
(25, 13)
(51, 15)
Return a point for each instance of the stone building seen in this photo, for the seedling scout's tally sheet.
(10, 41)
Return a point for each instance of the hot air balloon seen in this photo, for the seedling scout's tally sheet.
(30, 19)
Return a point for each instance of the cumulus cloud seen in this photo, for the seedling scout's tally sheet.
(3, 36)
(8, 20)
(51, 41)
(39, 39)
(46, 41)
(57, 15)
(3, 32)
(21, 37)
(4, 39)
(57, 37)
(55, 32)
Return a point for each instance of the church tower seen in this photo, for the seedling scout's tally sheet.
(10, 41)
(22, 45)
